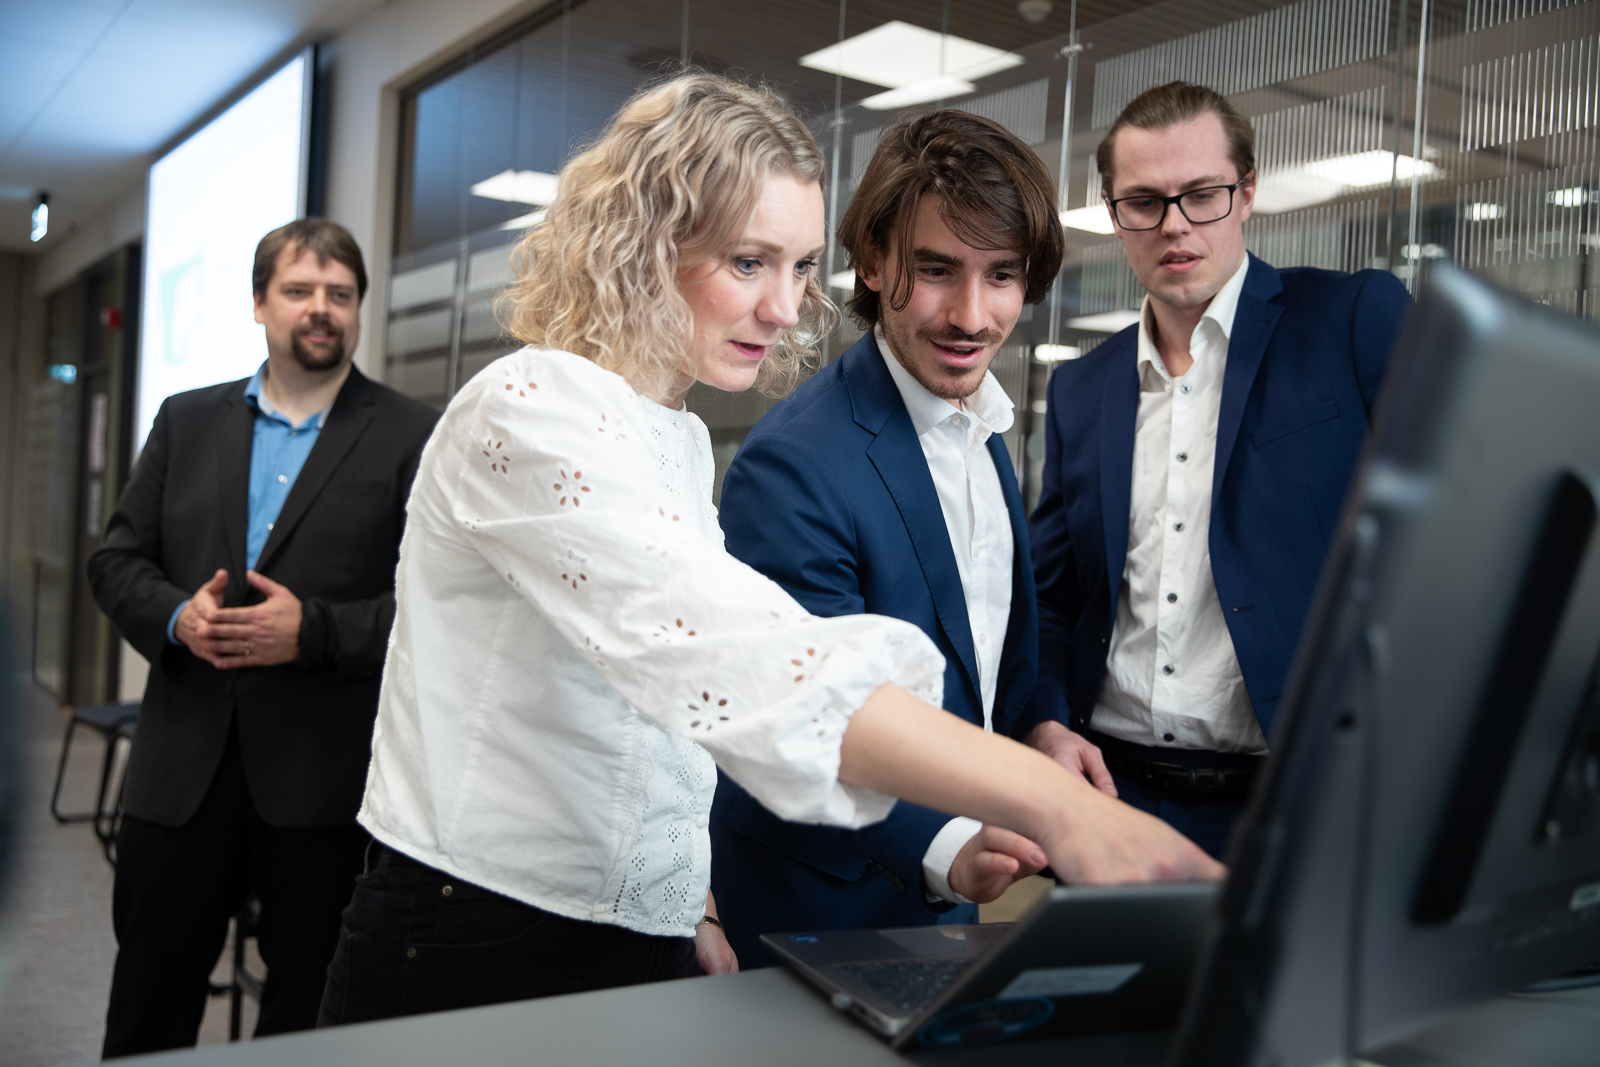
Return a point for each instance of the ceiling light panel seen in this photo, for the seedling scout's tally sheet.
(519, 187)
(898, 54)
(1092, 219)
(1105, 322)
(1370, 168)
(944, 87)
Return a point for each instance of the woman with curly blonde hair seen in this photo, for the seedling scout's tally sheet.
(575, 655)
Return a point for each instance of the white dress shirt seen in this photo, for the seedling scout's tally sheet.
(1172, 677)
(573, 648)
(955, 442)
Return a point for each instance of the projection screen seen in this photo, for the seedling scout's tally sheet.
(211, 199)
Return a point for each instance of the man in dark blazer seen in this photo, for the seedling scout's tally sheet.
(251, 560)
(1195, 468)
(883, 485)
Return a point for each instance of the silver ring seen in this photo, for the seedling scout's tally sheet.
(247, 648)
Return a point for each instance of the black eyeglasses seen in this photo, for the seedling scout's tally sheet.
(1213, 203)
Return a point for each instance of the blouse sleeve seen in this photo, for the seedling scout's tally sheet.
(561, 490)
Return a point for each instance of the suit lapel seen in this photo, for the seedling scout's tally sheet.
(1253, 324)
(1022, 625)
(898, 457)
(1118, 418)
(352, 413)
(235, 442)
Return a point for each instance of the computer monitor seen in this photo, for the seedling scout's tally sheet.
(1427, 834)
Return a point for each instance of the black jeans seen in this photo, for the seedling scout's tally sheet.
(175, 890)
(418, 940)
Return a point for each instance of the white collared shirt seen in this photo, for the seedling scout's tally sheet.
(573, 647)
(1172, 677)
(955, 443)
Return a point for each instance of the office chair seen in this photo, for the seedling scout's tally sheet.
(115, 723)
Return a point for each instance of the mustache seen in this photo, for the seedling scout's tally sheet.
(957, 337)
(321, 323)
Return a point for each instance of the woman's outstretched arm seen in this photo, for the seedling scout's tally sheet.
(899, 745)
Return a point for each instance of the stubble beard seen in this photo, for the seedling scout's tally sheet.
(946, 386)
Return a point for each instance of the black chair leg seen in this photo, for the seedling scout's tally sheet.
(61, 772)
(236, 993)
(105, 782)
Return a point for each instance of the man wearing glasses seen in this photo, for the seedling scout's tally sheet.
(1195, 468)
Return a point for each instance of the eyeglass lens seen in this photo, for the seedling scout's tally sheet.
(1198, 206)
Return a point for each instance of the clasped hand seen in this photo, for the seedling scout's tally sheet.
(262, 635)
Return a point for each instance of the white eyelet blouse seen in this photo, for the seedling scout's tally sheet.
(573, 648)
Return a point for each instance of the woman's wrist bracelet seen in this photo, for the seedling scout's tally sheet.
(713, 920)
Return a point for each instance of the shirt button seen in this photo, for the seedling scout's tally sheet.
(959, 420)
(983, 639)
(1183, 389)
(1167, 669)
(977, 553)
(702, 821)
(282, 478)
(1178, 526)
(1172, 598)
(269, 525)
(1168, 737)
(1183, 457)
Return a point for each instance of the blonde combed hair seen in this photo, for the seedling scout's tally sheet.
(672, 182)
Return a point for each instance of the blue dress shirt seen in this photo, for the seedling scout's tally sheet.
(277, 452)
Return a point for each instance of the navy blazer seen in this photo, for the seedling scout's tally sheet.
(831, 497)
(1305, 361)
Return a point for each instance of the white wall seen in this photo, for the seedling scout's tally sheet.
(117, 225)
(375, 59)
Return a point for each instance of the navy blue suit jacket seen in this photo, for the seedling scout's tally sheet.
(1305, 360)
(831, 497)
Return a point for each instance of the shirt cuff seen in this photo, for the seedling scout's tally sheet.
(941, 854)
(172, 623)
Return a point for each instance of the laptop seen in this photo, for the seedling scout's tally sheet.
(1081, 961)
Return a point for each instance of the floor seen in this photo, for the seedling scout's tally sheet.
(56, 944)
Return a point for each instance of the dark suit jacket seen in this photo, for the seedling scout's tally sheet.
(305, 729)
(1307, 355)
(830, 496)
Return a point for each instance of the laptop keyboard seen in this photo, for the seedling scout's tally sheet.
(909, 985)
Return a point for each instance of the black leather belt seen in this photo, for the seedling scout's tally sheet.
(1229, 779)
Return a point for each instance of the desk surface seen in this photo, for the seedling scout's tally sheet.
(772, 1019)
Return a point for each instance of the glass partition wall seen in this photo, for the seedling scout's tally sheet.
(1387, 131)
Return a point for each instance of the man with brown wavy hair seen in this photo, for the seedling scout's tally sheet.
(883, 486)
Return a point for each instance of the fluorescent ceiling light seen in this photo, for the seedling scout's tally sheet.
(1370, 168)
(1485, 212)
(1105, 322)
(41, 221)
(1573, 197)
(1092, 219)
(1329, 179)
(522, 222)
(844, 279)
(943, 87)
(1428, 251)
(897, 54)
(1293, 190)
(1055, 353)
(519, 187)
